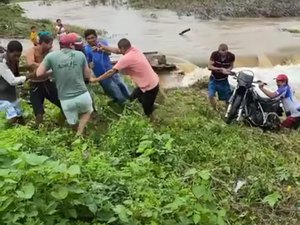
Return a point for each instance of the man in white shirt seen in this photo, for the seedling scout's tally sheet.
(9, 78)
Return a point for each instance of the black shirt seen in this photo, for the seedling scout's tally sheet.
(221, 62)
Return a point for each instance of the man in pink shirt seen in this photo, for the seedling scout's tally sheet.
(136, 65)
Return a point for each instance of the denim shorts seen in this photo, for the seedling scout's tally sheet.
(222, 87)
(75, 106)
(12, 109)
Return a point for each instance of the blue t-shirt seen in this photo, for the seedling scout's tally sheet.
(100, 59)
(290, 103)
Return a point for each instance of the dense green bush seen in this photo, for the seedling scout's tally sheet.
(181, 170)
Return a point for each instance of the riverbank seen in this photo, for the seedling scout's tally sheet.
(14, 25)
(209, 9)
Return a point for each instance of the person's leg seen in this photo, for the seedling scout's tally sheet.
(136, 94)
(111, 89)
(289, 122)
(121, 84)
(52, 95)
(37, 100)
(85, 109)
(70, 111)
(223, 90)
(212, 92)
(19, 111)
(11, 113)
(147, 100)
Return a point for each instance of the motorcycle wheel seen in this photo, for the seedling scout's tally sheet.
(234, 108)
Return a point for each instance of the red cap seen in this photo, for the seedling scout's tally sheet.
(67, 39)
(282, 77)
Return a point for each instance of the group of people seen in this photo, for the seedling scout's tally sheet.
(61, 77)
(221, 63)
(35, 34)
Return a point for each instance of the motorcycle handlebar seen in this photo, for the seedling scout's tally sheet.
(234, 74)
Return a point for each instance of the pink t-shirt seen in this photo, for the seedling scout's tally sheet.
(136, 65)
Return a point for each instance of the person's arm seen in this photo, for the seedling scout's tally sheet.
(10, 78)
(106, 75)
(268, 93)
(107, 49)
(122, 64)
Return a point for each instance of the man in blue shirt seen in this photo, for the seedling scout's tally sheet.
(100, 62)
(290, 103)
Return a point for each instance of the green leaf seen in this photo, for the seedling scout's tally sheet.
(198, 191)
(204, 174)
(34, 160)
(72, 213)
(272, 199)
(192, 171)
(26, 192)
(93, 208)
(121, 211)
(196, 218)
(74, 170)
(111, 220)
(61, 193)
(4, 172)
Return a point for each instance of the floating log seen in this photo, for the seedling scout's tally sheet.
(184, 31)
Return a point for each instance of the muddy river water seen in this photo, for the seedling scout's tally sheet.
(258, 43)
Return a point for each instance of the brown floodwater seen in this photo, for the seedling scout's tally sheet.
(258, 43)
(247, 37)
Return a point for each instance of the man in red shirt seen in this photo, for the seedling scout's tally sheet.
(136, 65)
(220, 63)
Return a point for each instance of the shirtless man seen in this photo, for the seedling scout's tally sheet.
(41, 87)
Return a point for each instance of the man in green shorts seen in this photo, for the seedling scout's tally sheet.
(69, 68)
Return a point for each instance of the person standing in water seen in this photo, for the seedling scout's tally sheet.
(135, 64)
(9, 78)
(41, 88)
(69, 69)
(220, 63)
(100, 63)
(59, 28)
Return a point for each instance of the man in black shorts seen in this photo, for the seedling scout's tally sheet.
(220, 64)
(41, 88)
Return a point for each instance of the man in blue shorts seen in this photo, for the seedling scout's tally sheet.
(220, 63)
(9, 78)
(290, 103)
(100, 62)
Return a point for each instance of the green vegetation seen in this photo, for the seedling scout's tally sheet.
(180, 170)
(14, 25)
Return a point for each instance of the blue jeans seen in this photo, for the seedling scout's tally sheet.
(221, 87)
(116, 88)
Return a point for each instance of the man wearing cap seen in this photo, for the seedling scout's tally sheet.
(220, 63)
(69, 69)
(100, 62)
(40, 88)
(290, 103)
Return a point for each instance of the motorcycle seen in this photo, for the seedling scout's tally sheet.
(247, 105)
